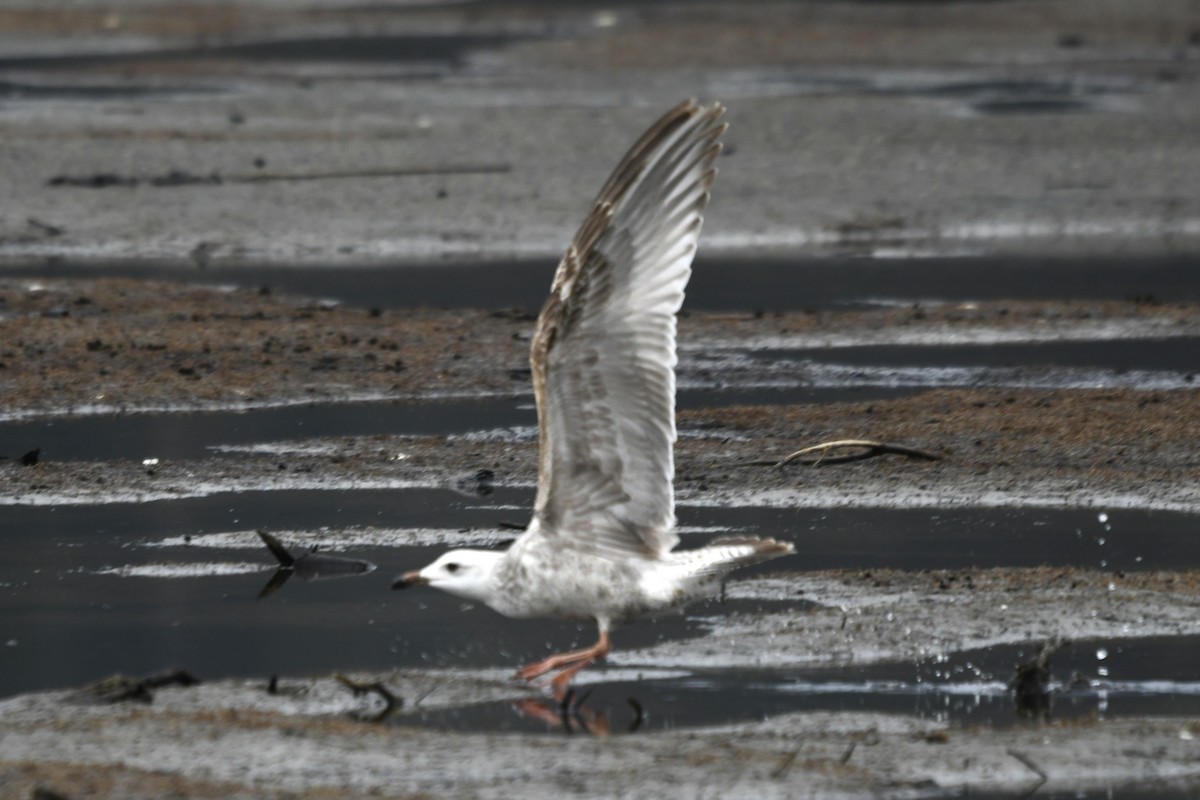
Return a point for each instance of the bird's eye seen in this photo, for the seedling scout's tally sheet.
(452, 568)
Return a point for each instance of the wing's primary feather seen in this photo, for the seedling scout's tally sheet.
(603, 356)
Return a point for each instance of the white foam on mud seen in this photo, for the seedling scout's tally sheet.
(238, 485)
(1130, 227)
(955, 235)
(99, 409)
(340, 540)
(352, 538)
(939, 334)
(869, 494)
(514, 433)
(968, 688)
(1190, 688)
(863, 623)
(278, 448)
(170, 570)
(618, 674)
(716, 433)
(980, 689)
(737, 368)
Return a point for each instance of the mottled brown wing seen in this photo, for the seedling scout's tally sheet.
(603, 355)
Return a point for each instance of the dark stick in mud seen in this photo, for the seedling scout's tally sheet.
(391, 702)
(1028, 762)
(310, 566)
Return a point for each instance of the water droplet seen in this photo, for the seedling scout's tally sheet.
(1112, 587)
(1101, 654)
(1102, 672)
(1102, 517)
(1100, 541)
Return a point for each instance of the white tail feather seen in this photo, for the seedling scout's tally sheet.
(723, 556)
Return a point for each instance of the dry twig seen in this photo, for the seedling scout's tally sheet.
(867, 448)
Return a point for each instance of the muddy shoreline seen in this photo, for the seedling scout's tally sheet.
(123, 346)
(78, 346)
(299, 753)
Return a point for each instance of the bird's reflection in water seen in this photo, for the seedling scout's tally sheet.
(571, 714)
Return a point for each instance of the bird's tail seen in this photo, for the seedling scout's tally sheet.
(730, 553)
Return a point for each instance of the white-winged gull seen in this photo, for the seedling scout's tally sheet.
(600, 543)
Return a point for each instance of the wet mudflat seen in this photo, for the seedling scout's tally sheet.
(964, 228)
(919, 588)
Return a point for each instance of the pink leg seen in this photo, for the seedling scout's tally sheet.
(569, 663)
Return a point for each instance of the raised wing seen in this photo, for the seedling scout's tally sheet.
(603, 356)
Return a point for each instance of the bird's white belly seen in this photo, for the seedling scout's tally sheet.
(574, 585)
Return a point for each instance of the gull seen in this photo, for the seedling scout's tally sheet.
(600, 544)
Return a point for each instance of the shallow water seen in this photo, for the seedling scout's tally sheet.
(718, 283)
(195, 434)
(969, 688)
(135, 587)
(173, 435)
(423, 49)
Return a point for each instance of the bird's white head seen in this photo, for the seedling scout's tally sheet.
(466, 573)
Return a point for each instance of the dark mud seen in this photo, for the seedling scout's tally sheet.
(127, 345)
